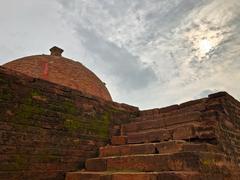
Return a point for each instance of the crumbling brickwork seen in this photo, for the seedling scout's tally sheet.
(195, 140)
(47, 129)
(228, 129)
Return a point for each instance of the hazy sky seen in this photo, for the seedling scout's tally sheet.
(150, 53)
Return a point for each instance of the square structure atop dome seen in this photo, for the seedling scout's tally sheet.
(56, 51)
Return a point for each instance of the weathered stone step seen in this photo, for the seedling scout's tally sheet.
(183, 161)
(179, 133)
(155, 148)
(156, 116)
(162, 122)
(194, 105)
(167, 175)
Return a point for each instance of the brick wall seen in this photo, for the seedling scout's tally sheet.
(219, 115)
(228, 130)
(47, 129)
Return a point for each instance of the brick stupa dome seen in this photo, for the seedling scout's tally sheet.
(60, 70)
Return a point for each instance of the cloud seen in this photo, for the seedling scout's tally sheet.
(32, 27)
(154, 47)
(150, 53)
(116, 61)
(205, 93)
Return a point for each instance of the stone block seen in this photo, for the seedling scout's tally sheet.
(97, 164)
(183, 133)
(127, 150)
(183, 161)
(119, 140)
(81, 175)
(150, 136)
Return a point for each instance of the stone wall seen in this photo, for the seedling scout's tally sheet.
(219, 115)
(198, 139)
(47, 129)
(228, 129)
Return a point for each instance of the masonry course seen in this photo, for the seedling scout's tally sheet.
(48, 129)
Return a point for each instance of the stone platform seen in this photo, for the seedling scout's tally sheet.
(195, 140)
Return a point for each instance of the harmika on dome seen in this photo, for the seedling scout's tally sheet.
(60, 70)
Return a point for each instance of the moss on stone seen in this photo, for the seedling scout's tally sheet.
(69, 107)
(97, 125)
(208, 165)
(3, 80)
(35, 93)
(114, 110)
(208, 162)
(73, 124)
(26, 111)
(5, 95)
(20, 162)
(104, 130)
(46, 156)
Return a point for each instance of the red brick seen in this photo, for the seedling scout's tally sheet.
(87, 176)
(190, 161)
(169, 175)
(150, 136)
(119, 140)
(161, 122)
(127, 150)
(185, 132)
(134, 176)
(96, 164)
(62, 71)
(169, 108)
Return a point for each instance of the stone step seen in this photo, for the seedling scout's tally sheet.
(185, 132)
(156, 148)
(183, 161)
(167, 175)
(118, 140)
(162, 122)
(194, 105)
(155, 116)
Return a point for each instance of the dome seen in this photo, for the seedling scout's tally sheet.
(60, 70)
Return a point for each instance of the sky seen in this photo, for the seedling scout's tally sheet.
(150, 53)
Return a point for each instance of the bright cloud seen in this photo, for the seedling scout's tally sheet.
(150, 53)
(184, 43)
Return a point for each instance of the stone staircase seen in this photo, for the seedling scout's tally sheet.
(170, 143)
